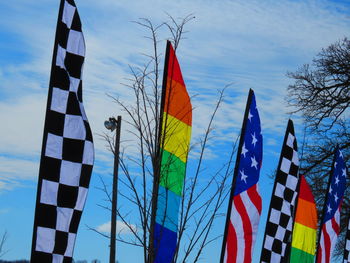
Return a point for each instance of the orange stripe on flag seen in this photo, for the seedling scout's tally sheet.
(178, 103)
(306, 214)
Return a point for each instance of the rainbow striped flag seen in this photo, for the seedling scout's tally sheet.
(176, 126)
(305, 226)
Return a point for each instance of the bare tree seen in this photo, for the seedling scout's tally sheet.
(321, 92)
(204, 190)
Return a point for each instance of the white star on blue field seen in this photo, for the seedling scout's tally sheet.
(248, 44)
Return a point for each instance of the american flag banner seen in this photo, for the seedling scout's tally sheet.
(280, 216)
(245, 206)
(347, 245)
(67, 151)
(330, 224)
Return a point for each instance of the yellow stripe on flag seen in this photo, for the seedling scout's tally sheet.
(177, 137)
(304, 238)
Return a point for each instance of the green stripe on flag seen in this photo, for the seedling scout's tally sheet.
(299, 256)
(172, 173)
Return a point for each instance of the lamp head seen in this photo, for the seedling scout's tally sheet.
(111, 124)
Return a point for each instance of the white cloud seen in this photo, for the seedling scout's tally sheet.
(14, 170)
(122, 228)
(23, 121)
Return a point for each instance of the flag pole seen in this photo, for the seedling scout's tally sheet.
(234, 178)
(158, 160)
(111, 125)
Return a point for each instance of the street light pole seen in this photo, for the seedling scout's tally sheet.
(112, 125)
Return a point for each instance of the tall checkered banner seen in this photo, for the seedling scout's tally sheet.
(347, 244)
(245, 202)
(67, 151)
(330, 223)
(280, 216)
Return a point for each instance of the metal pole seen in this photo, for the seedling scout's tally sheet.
(112, 253)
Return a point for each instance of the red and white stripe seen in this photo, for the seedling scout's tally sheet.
(329, 235)
(243, 226)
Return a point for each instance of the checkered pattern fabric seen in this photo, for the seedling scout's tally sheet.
(280, 219)
(67, 154)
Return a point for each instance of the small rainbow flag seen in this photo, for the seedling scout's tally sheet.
(175, 137)
(305, 226)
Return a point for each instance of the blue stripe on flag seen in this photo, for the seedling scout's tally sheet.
(164, 244)
(168, 204)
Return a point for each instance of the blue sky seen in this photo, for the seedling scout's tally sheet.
(251, 44)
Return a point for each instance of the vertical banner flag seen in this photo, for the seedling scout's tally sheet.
(347, 245)
(305, 226)
(330, 224)
(245, 202)
(174, 147)
(67, 152)
(280, 216)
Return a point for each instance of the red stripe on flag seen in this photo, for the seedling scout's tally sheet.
(255, 197)
(174, 71)
(335, 226)
(243, 225)
(247, 227)
(328, 239)
(327, 244)
(305, 192)
(231, 245)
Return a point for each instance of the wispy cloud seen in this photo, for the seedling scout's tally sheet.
(14, 170)
(122, 228)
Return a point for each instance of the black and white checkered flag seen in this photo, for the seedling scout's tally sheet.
(67, 153)
(280, 217)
